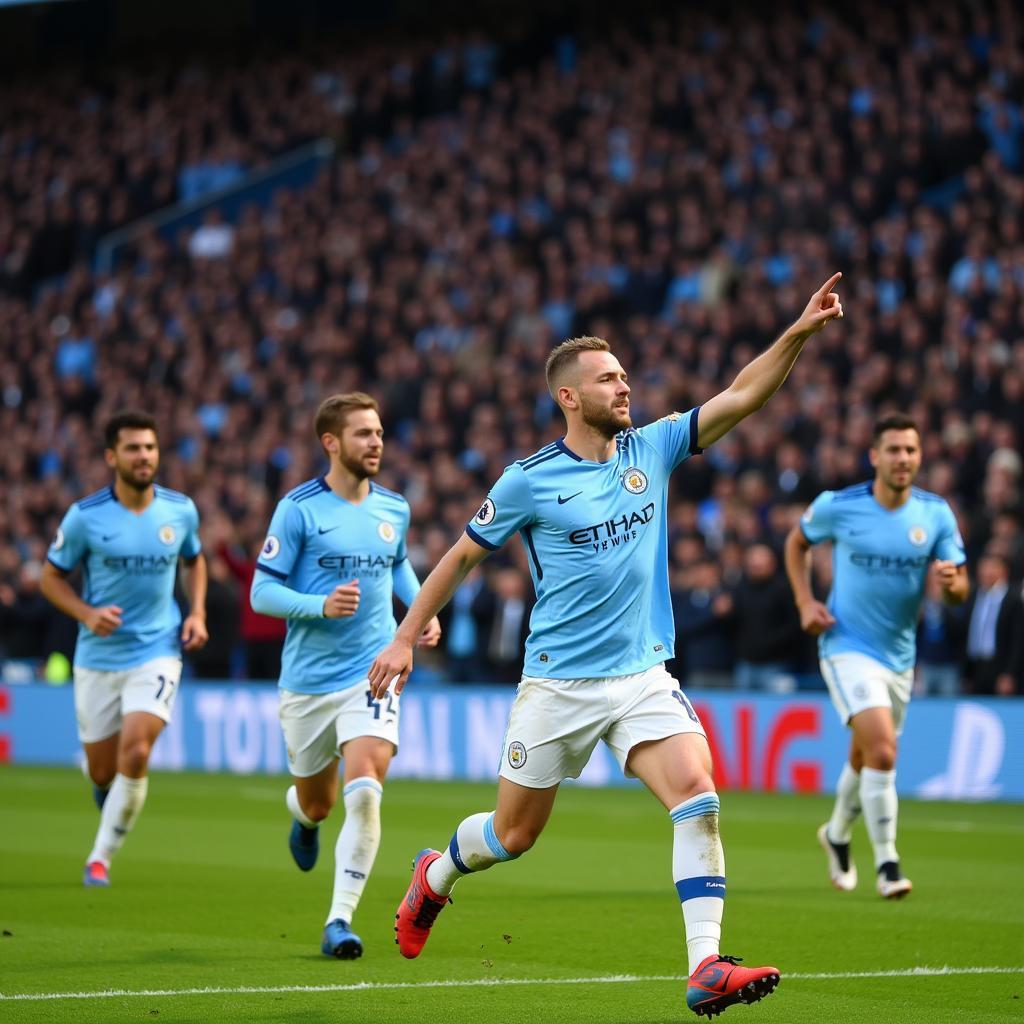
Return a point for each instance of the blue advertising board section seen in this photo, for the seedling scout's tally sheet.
(963, 749)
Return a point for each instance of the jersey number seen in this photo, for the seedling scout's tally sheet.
(165, 684)
(681, 697)
(375, 704)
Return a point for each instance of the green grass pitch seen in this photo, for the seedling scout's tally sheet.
(585, 928)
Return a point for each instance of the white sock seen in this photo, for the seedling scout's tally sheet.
(698, 867)
(291, 798)
(474, 847)
(124, 802)
(847, 806)
(356, 849)
(881, 807)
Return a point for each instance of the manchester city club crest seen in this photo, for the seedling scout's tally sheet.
(516, 754)
(917, 535)
(167, 534)
(386, 532)
(634, 480)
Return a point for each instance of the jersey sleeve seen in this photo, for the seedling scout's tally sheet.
(284, 541)
(192, 545)
(818, 522)
(507, 508)
(71, 542)
(403, 551)
(949, 545)
(404, 581)
(673, 436)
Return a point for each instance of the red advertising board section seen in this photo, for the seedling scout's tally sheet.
(5, 736)
(754, 763)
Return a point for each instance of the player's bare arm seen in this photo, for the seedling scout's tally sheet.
(56, 589)
(815, 618)
(763, 376)
(953, 579)
(194, 634)
(395, 661)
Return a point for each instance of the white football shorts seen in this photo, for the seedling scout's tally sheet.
(103, 698)
(555, 724)
(857, 682)
(317, 725)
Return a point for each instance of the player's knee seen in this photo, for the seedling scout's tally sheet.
(134, 758)
(316, 810)
(102, 777)
(881, 756)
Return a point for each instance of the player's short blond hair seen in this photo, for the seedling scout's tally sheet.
(333, 412)
(565, 356)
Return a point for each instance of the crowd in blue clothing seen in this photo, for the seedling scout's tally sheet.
(677, 183)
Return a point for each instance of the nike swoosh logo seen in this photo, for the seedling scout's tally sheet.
(857, 533)
(562, 501)
(328, 530)
(109, 536)
(712, 978)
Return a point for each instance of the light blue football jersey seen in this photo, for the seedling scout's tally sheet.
(130, 560)
(880, 560)
(597, 538)
(317, 541)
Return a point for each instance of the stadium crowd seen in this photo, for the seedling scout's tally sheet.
(675, 183)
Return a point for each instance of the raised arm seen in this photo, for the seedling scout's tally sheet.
(762, 377)
(395, 661)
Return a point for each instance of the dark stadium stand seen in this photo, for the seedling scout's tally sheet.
(666, 183)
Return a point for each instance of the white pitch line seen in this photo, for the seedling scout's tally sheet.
(383, 986)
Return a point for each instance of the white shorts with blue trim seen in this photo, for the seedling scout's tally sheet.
(317, 725)
(103, 697)
(857, 682)
(555, 724)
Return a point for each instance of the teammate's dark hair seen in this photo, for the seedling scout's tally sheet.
(893, 421)
(128, 419)
(333, 412)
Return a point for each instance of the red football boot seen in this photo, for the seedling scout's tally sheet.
(418, 911)
(719, 982)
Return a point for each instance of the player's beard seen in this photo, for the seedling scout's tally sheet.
(901, 485)
(606, 421)
(128, 476)
(356, 466)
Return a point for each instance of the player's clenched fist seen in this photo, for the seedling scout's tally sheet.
(103, 621)
(431, 634)
(815, 618)
(342, 601)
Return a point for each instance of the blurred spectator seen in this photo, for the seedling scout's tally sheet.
(216, 660)
(994, 618)
(460, 635)
(24, 617)
(501, 610)
(702, 609)
(940, 637)
(262, 635)
(769, 643)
